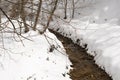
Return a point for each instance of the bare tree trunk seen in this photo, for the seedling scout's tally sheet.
(65, 9)
(23, 16)
(31, 13)
(50, 17)
(15, 10)
(37, 15)
(0, 16)
(73, 10)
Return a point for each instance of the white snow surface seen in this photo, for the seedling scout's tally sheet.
(98, 28)
(31, 59)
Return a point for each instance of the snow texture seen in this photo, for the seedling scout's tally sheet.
(32, 59)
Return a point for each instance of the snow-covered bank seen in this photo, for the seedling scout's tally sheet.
(102, 42)
(32, 59)
(96, 24)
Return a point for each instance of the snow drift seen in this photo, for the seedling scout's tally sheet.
(30, 58)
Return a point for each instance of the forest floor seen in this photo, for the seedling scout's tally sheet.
(84, 67)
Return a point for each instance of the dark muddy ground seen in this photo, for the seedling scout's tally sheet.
(83, 64)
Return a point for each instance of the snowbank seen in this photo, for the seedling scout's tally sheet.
(102, 42)
(23, 59)
(96, 25)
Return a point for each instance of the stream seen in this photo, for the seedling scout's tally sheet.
(84, 67)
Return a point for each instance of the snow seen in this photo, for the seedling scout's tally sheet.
(96, 24)
(31, 59)
(98, 28)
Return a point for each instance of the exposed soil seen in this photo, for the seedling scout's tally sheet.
(84, 67)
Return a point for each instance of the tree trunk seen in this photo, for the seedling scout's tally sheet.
(65, 9)
(37, 15)
(22, 15)
(0, 16)
(50, 17)
(73, 10)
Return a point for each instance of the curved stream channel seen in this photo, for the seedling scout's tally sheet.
(84, 67)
